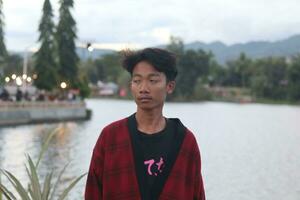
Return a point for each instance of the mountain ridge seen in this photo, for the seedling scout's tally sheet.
(254, 49)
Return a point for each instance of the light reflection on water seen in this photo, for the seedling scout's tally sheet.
(248, 151)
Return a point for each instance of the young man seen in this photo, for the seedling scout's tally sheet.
(147, 156)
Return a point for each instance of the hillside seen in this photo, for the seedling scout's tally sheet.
(256, 49)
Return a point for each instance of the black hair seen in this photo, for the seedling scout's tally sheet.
(162, 60)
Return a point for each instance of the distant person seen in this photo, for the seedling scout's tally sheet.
(41, 96)
(146, 155)
(19, 95)
(71, 96)
(27, 96)
(4, 96)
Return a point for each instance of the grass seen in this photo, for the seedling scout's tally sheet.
(36, 189)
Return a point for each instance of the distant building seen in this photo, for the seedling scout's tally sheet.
(104, 89)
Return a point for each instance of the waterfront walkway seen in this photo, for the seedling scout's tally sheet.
(27, 112)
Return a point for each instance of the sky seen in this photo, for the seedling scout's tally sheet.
(140, 23)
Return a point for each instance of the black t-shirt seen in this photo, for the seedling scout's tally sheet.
(154, 149)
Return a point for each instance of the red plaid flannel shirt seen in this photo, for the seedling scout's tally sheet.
(112, 173)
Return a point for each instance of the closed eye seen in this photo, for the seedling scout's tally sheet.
(153, 81)
(136, 81)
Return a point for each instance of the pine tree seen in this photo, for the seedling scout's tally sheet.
(45, 65)
(65, 37)
(3, 51)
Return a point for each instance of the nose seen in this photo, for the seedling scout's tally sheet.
(144, 87)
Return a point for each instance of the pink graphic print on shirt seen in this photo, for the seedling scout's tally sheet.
(154, 171)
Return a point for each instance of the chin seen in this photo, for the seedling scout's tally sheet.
(145, 107)
(149, 106)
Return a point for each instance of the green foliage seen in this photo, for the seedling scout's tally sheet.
(201, 92)
(111, 67)
(83, 81)
(89, 70)
(124, 80)
(65, 38)
(84, 88)
(191, 65)
(294, 79)
(176, 45)
(106, 68)
(239, 71)
(12, 65)
(37, 190)
(45, 65)
(100, 70)
(0, 190)
(3, 51)
(217, 74)
(269, 77)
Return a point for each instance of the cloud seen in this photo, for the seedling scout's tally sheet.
(162, 34)
(159, 35)
(151, 22)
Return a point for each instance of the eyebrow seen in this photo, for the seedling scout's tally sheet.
(149, 75)
(154, 74)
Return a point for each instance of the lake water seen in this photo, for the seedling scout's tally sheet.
(249, 151)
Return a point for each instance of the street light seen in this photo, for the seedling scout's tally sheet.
(24, 76)
(29, 79)
(63, 85)
(19, 81)
(89, 47)
(34, 76)
(25, 64)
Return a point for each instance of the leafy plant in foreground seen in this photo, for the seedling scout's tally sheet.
(36, 190)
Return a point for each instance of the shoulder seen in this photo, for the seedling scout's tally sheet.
(116, 125)
(189, 140)
(111, 131)
(190, 137)
(188, 134)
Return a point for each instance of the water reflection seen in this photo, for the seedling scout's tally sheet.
(17, 142)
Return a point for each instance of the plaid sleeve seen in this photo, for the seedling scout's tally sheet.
(93, 189)
(198, 186)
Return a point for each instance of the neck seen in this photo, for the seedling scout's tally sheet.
(150, 121)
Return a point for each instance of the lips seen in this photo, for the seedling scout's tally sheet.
(144, 99)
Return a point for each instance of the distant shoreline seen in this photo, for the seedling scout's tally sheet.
(238, 101)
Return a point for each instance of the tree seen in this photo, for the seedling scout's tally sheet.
(294, 79)
(239, 71)
(88, 69)
(176, 45)
(45, 65)
(106, 68)
(217, 74)
(192, 65)
(12, 65)
(112, 67)
(65, 37)
(269, 80)
(3, 51)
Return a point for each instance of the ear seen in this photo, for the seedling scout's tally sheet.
(171, 86)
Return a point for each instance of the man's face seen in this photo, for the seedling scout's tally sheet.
(149, 87)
